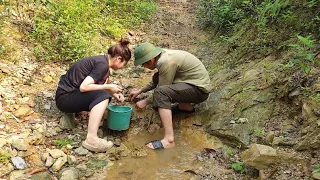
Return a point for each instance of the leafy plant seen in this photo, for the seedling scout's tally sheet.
(62, 142)
(316, 98)
(255, 29)
(219, 14)
(258, 132)
(4, 156)
(96, 163)
(317, 169)
(304, 56)
(238, 166)
(68, 30)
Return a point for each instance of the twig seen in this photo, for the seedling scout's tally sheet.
(15, 117)
(150, 119)
(36, 170)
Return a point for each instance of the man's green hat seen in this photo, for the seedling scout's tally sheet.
(144, 52)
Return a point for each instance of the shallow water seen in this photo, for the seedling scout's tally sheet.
(164, 164)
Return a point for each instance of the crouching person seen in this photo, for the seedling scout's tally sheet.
(84, 88)
(181, 78)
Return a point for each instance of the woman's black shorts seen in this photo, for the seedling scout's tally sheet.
(76, 101)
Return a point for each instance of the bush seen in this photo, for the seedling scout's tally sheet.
(255, 28)
(67, 30)
(219, 14)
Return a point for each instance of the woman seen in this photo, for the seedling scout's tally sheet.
(84, 88)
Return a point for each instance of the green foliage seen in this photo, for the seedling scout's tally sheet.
(68, 30)
(96, 163)
(5, 156)
(238, 166)
(258, 132)
(254, 28)
(3, 50)
(270, 9)
(62, 142)
(316, 98)
(304, 56)
(317, 169)
(220, 14)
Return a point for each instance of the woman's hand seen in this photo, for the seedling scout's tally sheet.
(134, 94)
(114, 88)
(118, 96)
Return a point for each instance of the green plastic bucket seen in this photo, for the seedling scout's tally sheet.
(119, 117)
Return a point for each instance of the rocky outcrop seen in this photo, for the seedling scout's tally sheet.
(310, 134)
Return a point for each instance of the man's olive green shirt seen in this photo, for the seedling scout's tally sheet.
(177, 66)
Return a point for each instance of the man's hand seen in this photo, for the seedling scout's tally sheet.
(134, 94)
(118, 96)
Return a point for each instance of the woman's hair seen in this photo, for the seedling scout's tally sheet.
(121, 49)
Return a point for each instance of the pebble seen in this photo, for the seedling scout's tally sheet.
(18, 163)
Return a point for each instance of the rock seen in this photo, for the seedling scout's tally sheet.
(243, 120)
(18, 163)
(59, 163)
(269, 137)
(51, 132)
(307, 114)
(2, 125)
(295, 92)
(70, 174)
(26, 153)
(42, 175)
(316, 87)
(251, 75)
(45, 156)
(36, 138)
(67, 121)
(47, 79)
(3, 142)
(260, 156)
(82, 167)
(4, 69)
(6, 169)
(81, 151)
(311, 130)
(316, 175)
(57, 153)
(20, 144)
(71, 159)
(39, 128)
(18, 175)
(49, 161)
(24, 110)
(96, 163)
(90, 172)
(289, 158)
(277, 140)
(47, 106)
(34, 160)
(47, 94)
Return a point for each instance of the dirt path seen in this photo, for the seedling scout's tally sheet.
(174, 26)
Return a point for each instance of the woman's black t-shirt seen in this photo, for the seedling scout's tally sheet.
(96, 67)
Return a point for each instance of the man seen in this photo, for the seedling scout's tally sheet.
(182, 79)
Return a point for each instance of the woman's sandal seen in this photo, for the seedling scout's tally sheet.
(103, 145)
